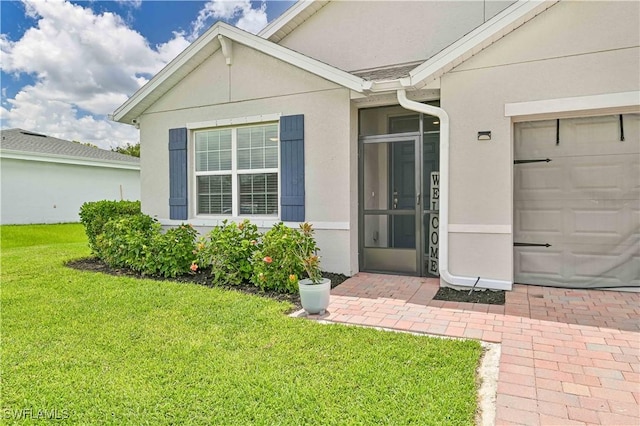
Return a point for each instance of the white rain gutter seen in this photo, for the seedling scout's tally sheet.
(443, 253)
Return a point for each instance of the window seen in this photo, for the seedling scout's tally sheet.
(237, 171)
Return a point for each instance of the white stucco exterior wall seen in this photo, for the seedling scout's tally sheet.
(573, 49)
(358, 35)
(45, 192)
(256, 84)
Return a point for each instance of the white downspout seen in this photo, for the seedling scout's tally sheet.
(443, 254)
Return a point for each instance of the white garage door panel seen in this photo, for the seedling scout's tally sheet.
(584, 203)
(539, 262)
(585, 177)
(579, 266)
(592, 136)
(577, 221)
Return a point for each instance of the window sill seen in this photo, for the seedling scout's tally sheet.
(259, 221)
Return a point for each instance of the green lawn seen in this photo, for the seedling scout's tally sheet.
(117, 350)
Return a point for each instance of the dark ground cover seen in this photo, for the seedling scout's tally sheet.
(488, 297)
(446, 294)
(201, 278)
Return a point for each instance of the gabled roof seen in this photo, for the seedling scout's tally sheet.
(216, 38)
(369, 81)
(280, 27)
(18, 143)
(477, 40)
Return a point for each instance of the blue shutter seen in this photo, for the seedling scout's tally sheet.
(292, 168)
(178, 207)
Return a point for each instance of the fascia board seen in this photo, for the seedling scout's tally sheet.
(284, 19)
(165, 74)
(478, 39)
(63, 159)
(267, 47)
(296, 59)
(386, 86)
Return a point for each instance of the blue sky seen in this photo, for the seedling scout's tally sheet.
(67, 64)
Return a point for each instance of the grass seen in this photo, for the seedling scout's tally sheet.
(117, 350)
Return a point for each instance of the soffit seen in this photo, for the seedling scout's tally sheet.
(291, 19)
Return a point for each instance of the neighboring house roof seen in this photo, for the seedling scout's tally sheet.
(379, 80)
(22, 144)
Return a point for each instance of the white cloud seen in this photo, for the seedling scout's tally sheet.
(131, 3)
(248, 18)
(253, 20)
(30, 111)
(169, 50)
(82, 62)
(85, 65)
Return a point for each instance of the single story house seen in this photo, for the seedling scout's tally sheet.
(46, 180)
(484, 142)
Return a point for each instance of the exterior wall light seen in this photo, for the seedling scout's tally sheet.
(484, 135)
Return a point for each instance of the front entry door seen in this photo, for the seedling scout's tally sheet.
(403, 193)
(391, 211)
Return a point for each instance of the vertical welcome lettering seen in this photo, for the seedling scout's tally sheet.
(434, 223)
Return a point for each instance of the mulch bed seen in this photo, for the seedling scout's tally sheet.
(488, 297)
(94, 264)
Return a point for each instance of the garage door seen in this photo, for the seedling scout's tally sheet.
(577, 202)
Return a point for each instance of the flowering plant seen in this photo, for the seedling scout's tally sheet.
(284, 255)
(226, 252)
(308, 253)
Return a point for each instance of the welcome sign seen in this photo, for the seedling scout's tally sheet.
(434, 223)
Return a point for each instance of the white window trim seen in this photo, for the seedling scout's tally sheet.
(263, 223)
(237, 121)
(234, 171)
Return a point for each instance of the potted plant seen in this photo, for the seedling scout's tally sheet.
(315, 290)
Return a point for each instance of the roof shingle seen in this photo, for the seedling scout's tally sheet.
(31, 142)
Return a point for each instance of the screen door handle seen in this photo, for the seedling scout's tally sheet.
(418, 199)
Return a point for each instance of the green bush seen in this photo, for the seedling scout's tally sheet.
(281, 258)
(137, 242)
(172, 253)
(94, 215)
(125, 241)
(226, 252)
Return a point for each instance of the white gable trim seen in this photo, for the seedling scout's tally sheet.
(204, 47)
(423, 75)
(476, 41)
(280, 27)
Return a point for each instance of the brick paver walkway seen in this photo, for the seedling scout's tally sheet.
(568, 356)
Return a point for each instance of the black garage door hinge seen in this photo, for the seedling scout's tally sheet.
(531, 245)
(546, 160)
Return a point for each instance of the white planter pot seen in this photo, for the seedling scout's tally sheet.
(315, 297)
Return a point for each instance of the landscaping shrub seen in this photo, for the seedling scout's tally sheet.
(138, 243)
(94, 215)
(172, 253)
(125, 241)
(227, 251)
(279, 260)
(232, 253)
